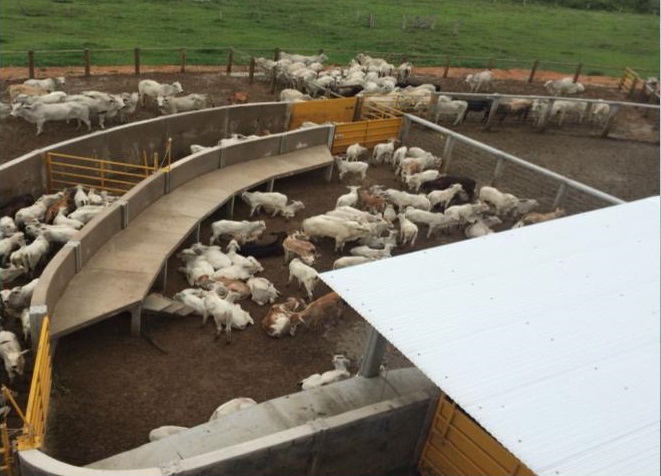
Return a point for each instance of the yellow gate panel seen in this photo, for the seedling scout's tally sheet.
(347, 134)
(457, 445)
(333, 110)
(39, 399)
(382, 130)
(366, 133)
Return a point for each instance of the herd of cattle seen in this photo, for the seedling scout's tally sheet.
(384, 84)
(304, 78)
(43, 100)
(31, 231)
(375, 219)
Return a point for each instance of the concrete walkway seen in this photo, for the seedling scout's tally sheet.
(119, 276)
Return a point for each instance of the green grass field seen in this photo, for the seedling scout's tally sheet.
(471, 32)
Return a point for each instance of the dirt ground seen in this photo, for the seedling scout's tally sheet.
(110, 389)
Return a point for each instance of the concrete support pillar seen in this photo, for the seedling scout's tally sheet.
(136, 320)
(373, 356)
(37, 314)
(329, 173)
(230, 208)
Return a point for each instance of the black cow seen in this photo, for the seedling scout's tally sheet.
(446, 181)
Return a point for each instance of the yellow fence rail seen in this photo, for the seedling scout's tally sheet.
(629, 81)
(457, 445)
(39, 399)
(333, 110)
(384, 124)
(66, 170)
(6, 453)
(375, 110)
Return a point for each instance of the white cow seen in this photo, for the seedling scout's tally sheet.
(39, 113)
(153, 89)
(12, 355)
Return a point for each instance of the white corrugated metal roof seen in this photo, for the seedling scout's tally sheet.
(547, 335)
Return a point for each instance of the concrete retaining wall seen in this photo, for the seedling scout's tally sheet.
(128, 143)
(25, 174)
(364, 431)
(144, 194)
(96, 233)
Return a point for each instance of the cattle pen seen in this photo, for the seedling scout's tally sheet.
(462, 156)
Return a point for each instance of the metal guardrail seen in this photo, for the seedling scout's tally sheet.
(463, 155)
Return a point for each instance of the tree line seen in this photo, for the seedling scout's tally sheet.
(636, 6)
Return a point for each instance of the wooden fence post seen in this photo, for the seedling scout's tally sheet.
(86, 56)
(136, 58)
(230, 58)
(276, 54)
(447, 67)
(533, 71)
(251, 70)
(31, 64)
(578, 71)
(274, 79)
(183, 60)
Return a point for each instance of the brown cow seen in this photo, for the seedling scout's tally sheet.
(238, 97)
(321, 311)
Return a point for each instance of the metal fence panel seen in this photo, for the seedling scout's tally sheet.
(334, 110)
(489, 166)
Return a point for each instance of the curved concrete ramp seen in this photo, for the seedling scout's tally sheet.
(121, 273)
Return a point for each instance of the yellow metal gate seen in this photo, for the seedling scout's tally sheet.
(332, 110)
(381, 124)
(458, 446)
(66, 170)
(39, 399)
(367, 133)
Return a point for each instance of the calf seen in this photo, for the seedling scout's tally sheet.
(153, 89)
(278, 320)
(479, 80)
(49, 84)
(241, 231)
(238, 97)
(322, 310)
(262, 290)
(296, 245)
(31, 255)
(232, 406)
(306, 276)
(192, 102)
(446, 181)
(12, 355)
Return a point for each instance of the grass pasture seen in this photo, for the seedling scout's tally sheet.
(511, 33)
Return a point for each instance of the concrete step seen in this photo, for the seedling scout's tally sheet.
(158, 303)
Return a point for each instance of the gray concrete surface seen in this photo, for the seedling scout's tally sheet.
(342, 404)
